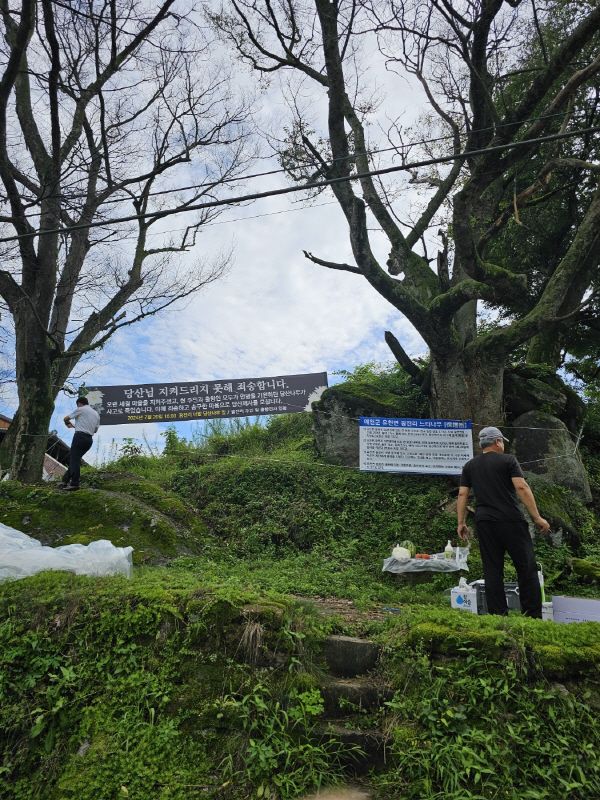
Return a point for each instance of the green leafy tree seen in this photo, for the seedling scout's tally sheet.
(500, 77)
(103, 106)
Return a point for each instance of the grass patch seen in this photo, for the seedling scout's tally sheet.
(152, 524)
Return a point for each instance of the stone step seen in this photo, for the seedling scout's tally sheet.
(369, 744)
(348, 656)
(341, 793)
(344, 696)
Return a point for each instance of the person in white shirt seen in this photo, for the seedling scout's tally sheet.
(86, 423)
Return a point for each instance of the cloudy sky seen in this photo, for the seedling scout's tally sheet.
(274, 313)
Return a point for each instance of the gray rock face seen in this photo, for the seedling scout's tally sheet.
(529, 388)
(549, 454)
(336, 434)
(335, 418)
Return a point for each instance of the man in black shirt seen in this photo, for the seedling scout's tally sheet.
(497, 481)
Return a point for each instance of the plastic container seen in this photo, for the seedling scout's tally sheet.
(547, 612)
(464, 597)
(511, 590)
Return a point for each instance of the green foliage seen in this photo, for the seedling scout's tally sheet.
(127, 512)
(260, 507)
(112, 688)
(284, 435)
(555, 650)
(384, 389)
(446, 740)
(130, 450)
(88, 668)
(96, 677)
(275, 755)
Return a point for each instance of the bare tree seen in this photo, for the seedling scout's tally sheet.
(107, 110)
(500, 78)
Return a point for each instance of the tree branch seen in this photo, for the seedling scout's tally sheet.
(332, 264)
(402, 357)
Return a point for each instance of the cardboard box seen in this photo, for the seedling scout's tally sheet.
(464, 599)
(575, 609)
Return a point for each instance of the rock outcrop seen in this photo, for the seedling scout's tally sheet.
(545, 447)
(535, 388)
(336, 416)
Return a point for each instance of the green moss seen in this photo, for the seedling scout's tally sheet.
(553, 649)
(150, 494)
(362, 397)
(561, 504)
(57, 518)
(586, 569)
(261, 507)
(442, 640)
(563, 661)
(110, 683)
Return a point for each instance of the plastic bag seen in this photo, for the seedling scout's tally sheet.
(400, 553)
(437, 563)
(20, 556)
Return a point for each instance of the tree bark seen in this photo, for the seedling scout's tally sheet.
(467, 388)
(28, 432)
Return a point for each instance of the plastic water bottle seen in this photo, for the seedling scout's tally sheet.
(449, 550)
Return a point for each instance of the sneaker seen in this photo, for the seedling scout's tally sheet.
(71, 488)
(63, 486)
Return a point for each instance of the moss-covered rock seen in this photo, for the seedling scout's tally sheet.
(556, 651)
(544, 447)
(587, 570)
(146, 519)
(537, 387)
(336, 414)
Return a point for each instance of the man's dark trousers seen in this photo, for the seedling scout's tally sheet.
(79, 446)
(495, 539)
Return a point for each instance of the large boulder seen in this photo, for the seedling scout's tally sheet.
(336, 416)
(535, 387)
(544, 446)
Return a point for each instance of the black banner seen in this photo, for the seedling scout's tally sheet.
(180, 402)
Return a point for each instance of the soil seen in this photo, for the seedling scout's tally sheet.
(341, 793)
(333, 606)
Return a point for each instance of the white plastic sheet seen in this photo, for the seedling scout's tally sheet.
(437, 563)
(20, 556)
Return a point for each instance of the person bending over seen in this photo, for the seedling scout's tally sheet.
(86, 423)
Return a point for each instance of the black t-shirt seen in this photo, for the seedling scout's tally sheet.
(490, 476)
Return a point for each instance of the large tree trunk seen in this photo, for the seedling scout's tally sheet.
(467, 388)
(28, 433)
(8, 444)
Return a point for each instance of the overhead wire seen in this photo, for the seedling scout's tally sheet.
(156, 215)
(307, 163)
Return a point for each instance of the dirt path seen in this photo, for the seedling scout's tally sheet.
(333, 606)
(341, 793)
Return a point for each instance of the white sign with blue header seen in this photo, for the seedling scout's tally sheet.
(421, 446)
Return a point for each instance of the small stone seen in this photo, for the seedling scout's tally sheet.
(83, 748)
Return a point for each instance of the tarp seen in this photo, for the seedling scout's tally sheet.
(21, 556)
(437, 563)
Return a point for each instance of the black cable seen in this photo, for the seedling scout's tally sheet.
(155, 215)
(251, 176)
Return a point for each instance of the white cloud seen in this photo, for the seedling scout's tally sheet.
(274, 313)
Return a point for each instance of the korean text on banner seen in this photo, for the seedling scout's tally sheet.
(419, 446)
(177, 402)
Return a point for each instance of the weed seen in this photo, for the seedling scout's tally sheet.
(276, 754)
